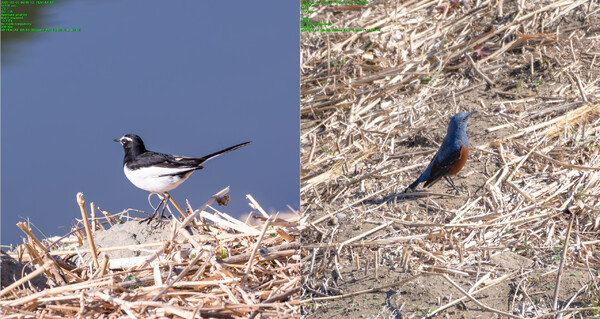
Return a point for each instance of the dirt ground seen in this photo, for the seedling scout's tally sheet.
(134, 233)
(421, 296)
(375, 107)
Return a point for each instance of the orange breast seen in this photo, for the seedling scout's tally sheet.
(464, 153)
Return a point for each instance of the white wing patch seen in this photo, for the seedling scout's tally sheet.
(182, 158)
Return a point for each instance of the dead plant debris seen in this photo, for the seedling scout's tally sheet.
(374, 108)
(191, 268)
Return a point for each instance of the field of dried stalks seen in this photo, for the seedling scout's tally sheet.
(196, 265)
(521, 238)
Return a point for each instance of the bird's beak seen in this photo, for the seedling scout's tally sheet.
(117, 140)
(471, 113)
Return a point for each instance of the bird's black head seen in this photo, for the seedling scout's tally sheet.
(132, 144)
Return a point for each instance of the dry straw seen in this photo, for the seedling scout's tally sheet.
(374, 108)
(172, 282)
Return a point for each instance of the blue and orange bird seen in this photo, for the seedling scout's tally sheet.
(452, 155)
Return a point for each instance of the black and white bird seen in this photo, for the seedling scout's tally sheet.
(160, 173)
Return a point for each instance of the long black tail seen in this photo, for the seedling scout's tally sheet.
(412, 186)
(229, 149)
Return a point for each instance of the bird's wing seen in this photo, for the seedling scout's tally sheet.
(440, 166)
(178, 163)
(178, 160)
(175, 163)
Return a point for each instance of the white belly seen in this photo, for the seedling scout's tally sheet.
(151, 178)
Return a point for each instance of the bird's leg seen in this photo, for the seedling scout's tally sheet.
(166, 199)
(451, 183)
(148, 219)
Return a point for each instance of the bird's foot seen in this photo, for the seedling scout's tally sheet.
(147, 220)
(159, 223)
(452, 184)
(156, 222)
(461, 190)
